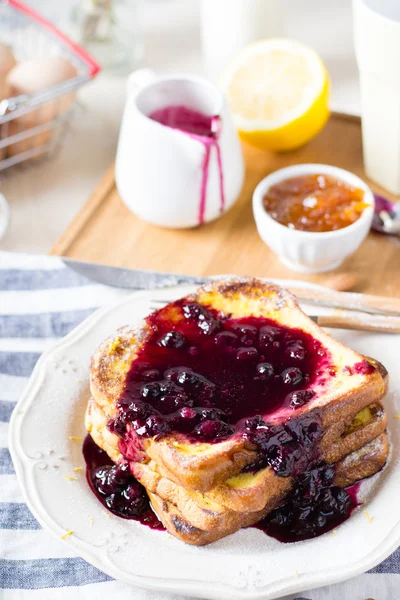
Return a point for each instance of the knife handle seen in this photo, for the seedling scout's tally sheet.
(347, 319)
(348, 300)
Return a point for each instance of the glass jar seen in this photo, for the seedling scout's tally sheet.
(110, 31)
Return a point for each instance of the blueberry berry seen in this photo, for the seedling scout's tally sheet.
(204, 319)
(296, 350)
(299, 398)
(226, 339)
(247, 353)
(292, 376)
(121, 493)
(265, 370)
(172, 339)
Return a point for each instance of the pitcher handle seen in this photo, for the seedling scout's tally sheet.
(138, 79)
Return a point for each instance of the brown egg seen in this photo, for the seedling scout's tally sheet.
(4, 88)
(34, 141)
(7, 60)
(29, 77)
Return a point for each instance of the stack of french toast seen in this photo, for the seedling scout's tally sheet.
(220, 402)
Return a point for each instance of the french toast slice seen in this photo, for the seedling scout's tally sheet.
(184, 530)
(250, 491)
(244, 492)
(359, 429)
(344, 387)
(200, 509)
(196, 508)
(363, 463)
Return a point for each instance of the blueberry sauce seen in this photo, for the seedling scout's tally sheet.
(185, 119)
(363, 367)
(210, 377)
(203, 128)
(116, 488)
(314, 507)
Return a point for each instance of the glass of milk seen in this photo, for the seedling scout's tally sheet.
(377, 46)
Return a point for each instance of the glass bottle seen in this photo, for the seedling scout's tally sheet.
(110, 31)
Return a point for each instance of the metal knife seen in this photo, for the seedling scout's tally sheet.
(145, 280)
(132, 279)
(343, 319)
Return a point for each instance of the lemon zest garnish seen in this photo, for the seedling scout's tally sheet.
(91, 520)
(75, 438)
(70, 478)
(67, 534)
(114, 345)
(334, 532)
(369, 518)
(107, 515)
(77, 469)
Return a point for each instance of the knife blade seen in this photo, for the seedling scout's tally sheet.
(137, 279)
(133, 279)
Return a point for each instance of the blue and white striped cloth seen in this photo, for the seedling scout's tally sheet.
(41, 301)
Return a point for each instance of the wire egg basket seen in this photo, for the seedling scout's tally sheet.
(33, 126)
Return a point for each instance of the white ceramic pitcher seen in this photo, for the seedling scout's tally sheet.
(160, 170)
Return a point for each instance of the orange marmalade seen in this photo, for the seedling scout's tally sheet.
(314, 202)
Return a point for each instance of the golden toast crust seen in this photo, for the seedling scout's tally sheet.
(236, 493)
(202, 466)
(361, 464)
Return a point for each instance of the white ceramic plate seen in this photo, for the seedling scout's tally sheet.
(245, 565)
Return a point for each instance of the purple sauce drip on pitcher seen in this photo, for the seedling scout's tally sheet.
(206, 130)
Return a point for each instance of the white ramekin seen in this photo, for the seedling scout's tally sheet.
(307, 251)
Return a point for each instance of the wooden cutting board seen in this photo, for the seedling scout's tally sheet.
(105, 231)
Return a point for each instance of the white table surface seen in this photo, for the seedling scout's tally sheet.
(45, 198)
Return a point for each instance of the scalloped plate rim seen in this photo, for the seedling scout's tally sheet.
(289, 585)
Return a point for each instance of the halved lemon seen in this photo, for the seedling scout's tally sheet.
(278, 93)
